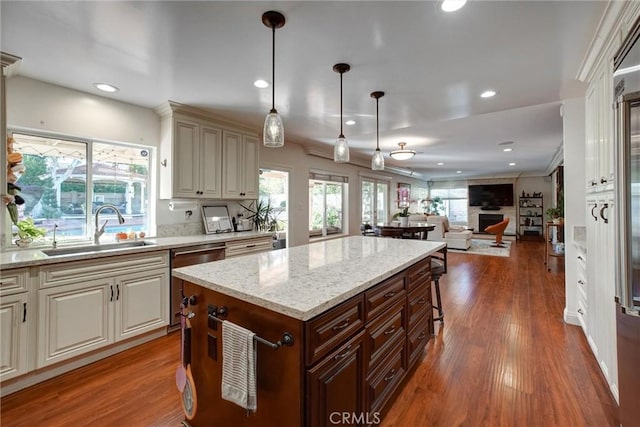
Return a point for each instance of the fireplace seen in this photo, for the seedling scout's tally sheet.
(485, 220)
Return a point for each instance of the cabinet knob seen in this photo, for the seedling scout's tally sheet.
(580, 258)
(603, 180)
(580, 311)
(595, 205)
(581, 282)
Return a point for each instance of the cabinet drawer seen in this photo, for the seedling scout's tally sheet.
(326, 331)
(248, 246)
(13, 281)
(382, 296)
(383, 381)
(418, 337)
(419, 304)
(419, 273)
(67, 272)
(384, 333)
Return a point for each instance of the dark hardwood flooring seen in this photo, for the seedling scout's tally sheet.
(504, 356)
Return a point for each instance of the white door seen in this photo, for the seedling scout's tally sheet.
(141, 303)
(210, 162)
(231, 165)
(186, 169)
(374, 197)
(13, 335)
(251, 167)
(74, 319)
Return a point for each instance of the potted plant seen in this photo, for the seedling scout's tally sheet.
(262, 214)
(554, 214)
(27, 232)
(403, 215)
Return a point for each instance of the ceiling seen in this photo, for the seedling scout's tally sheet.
(432, 66)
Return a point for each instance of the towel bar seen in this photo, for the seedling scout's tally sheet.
(287, 337)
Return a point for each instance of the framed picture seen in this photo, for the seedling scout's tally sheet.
(404, 195)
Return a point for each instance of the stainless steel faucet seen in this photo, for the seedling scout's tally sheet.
(100, 231)
(55, 243)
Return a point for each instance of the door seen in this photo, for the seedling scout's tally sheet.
(274, 186)
(250, 167)
(210, 161)
(141, 303)
(375, 195)
(186, 168)
(232, 169)
(74, 319)
(13, 335)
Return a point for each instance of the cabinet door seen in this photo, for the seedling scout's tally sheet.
(232, 165)
(13, 335)
(335, 384)
(251, 167)
(141, 303)
(186, 166)
(74, 319)
(591, 129)
(210, 158)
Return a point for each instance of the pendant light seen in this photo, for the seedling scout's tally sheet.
(341, 149)
(402, 153)
(273, 132)
(377, 161)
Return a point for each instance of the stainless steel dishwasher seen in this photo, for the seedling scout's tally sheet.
(183, 257)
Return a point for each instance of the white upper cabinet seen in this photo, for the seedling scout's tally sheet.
(203, 158)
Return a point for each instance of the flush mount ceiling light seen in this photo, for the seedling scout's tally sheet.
(105, 87)
(458, 171)
(377, 161)
(341, 149)
(512, 164)
(507, 149)
(488, 94)
(402, 153)
(273, 133)
(262, 84)
(350, 122)
(452, 5)
(440, 164)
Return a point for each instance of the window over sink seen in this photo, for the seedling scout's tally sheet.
(68, 179)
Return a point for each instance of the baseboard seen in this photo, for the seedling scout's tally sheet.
(571, 318)
(43, 374)
(486, 236)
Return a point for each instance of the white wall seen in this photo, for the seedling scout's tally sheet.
(574, 196)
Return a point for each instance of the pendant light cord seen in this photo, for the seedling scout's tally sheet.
(273, 68)
(341, 134)
(377, 127)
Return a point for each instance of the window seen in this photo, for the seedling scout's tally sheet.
(274, 190)
(375, 195)
(455, 203)
(327, 201)
(66, 181)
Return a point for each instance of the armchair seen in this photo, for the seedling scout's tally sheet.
(498, 230)
(455, 237)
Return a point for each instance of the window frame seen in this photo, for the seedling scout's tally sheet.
(330, 178)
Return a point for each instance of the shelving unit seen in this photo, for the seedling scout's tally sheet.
(531, 218)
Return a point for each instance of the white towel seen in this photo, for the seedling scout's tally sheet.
(239, 366)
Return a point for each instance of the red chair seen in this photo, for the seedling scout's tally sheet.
(498, 230)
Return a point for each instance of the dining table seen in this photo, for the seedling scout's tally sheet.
(416, 231)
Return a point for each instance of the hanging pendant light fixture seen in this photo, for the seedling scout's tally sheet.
(341, 149)
(377, 161)
(273, 132)
(402, 153)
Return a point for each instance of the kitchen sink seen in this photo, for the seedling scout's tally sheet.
(98, 248)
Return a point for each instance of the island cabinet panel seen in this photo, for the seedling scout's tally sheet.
(384, 295)
(419, 274)
(418, 304)
(335, 384)
(418, 337)
(383, 333)
(383, 381)
(279, 373)
(328, 330)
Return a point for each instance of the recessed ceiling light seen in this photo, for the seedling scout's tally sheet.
(488, 94)
(512, 164)
(507, 149)
(440, 164)
(452, 5)
(261, 84)
(458, 171)
(350, 122)
(105, 87)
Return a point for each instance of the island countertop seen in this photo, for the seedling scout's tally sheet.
(305, 281)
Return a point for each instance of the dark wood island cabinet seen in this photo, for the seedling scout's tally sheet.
(352, 349)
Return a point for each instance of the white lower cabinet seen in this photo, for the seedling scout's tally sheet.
(74, 319)
(141, 303)
(14, 316)
(78, 314)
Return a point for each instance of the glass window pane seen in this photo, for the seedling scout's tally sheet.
(325, 207)
(54, 184)
(367, 202)
(381, 203)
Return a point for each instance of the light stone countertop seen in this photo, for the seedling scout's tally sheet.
(304, 281)
(34, 257)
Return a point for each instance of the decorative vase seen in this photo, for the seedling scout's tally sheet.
(556, 220)
(23, 243)
(404, 221)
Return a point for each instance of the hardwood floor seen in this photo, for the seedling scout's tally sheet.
(503, 357)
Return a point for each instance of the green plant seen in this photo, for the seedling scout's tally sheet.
(263, 215)
(554, 212)
(436, 206)
(403, 213)
(27, 228)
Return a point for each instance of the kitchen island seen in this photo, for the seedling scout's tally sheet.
(358, 310)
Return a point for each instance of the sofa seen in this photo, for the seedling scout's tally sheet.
(456, 237)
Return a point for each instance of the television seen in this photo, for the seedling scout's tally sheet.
(491, 195)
